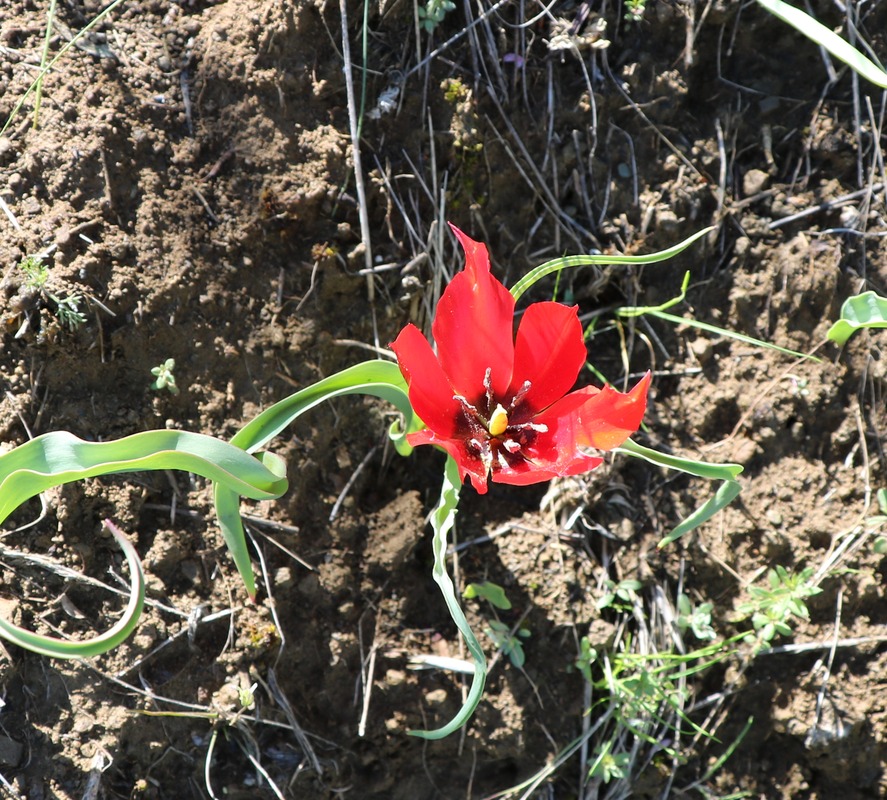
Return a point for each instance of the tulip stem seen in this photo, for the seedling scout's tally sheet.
(442, 521)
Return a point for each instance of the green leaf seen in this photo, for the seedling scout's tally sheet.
(866, 310)
(824, 37)
(727, 492)
(60, 457)
(493, 593)
(442, 521)
(378, 378)
(57, 648)
(557, 264)
(701, 469)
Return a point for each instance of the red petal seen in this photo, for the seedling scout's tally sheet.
(430, 392)
(468, 464)
(540, 471)
(473, 326)
(591, 417)
(549, 352)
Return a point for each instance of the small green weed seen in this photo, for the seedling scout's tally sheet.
(509, 643)
(772, 607)
(697, 620)
(634, 10)
(619, 596)
(433, 13)
(164, 377)
(66, 308)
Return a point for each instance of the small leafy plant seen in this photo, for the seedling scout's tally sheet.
(509, 643)
(620, 596)
(433, 13)
(66, 308)
(164, 377)
(695, 619)
(773, 606)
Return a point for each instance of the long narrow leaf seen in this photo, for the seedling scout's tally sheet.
(727, 492)
(113, 637)
(817, 32)
(442, 522)
(378, 378)
(557, 264)
(701, 469)
(866, 310)
(741, 337)
(60, 457)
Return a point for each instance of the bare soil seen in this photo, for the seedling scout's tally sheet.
(190, 176)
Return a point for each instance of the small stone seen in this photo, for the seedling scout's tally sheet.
(754, 181)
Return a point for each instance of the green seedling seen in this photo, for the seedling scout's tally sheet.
(509, 643)
(634, 10)
(68, 311)
(491, 592)
(619, 596)
(587, 656)
(36, 272)
(772, 607)
(697, 620)
(866, 310)
(433, 13)
(607, 766)
(164, 377)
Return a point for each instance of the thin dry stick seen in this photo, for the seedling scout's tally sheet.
(355, 148)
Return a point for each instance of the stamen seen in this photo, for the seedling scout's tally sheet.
(488, 386)
(511, 446)
(519, 395)
(466, 406)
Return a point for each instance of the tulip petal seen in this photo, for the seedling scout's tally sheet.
(431, 395)
(549, 352)
(591, 417)
(473, 326)
(538, 471)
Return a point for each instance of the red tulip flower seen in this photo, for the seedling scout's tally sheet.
(501, 406)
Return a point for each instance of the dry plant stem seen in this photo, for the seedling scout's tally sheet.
(838, 201)
(355, 149)
(455, 38)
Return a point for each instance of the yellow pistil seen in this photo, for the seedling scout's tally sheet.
(498, 421)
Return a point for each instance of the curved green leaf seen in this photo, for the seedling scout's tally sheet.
(442, 522)
(866, 310)
(378, 378)
(557, 264)
(817, 32)
(727, 492)
(60, 457)
(57, 648)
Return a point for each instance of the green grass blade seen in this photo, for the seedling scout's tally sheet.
(378, 378)
(704, 326)
(57, 648)
(557, 264)
(442, 522)
(817, 32)
(48, 67)
(866, 310)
